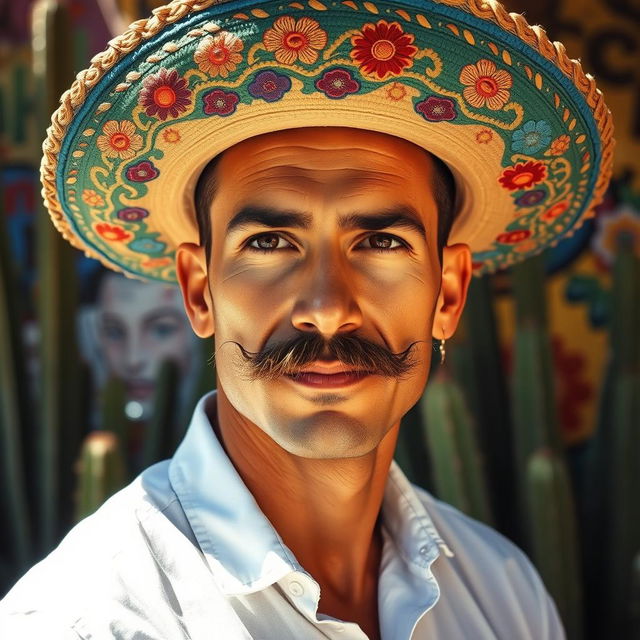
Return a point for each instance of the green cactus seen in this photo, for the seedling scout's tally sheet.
(553, 530)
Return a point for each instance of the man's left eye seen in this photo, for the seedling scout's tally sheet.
(382, 242)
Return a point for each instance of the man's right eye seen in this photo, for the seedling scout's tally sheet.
(268, 242)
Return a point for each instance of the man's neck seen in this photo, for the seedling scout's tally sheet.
(326, 511)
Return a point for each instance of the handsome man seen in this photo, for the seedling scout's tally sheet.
(284, 163)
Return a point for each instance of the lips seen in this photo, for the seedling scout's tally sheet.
(328, 375)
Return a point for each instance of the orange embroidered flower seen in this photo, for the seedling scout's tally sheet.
(484, 136)
(218, 55)
(152, 263)
(92, 198)
(485, 85)
(513, 237)
(526, 246)
(559, 145)
(396, 92)
(119, 139)
(171, 135)
(383, 49)
(523, 175)
(112, 232)
(556, 210)
(293, 39)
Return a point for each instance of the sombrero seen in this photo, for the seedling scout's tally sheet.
(524, 130)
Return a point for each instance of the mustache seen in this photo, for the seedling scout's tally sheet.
(289, 357)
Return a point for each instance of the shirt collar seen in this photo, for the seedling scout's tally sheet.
(242, 548)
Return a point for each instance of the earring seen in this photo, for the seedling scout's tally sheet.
(443, 353)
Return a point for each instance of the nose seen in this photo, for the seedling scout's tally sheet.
(326, 303)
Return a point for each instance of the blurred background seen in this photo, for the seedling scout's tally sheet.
(532, 425)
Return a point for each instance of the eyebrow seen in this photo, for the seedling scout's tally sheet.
(403, 217)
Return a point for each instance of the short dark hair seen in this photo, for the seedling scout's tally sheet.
(443, 188)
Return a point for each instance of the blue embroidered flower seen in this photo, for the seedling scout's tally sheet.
(532, 137)
(269, 86)
(531, 198)
(147, 245)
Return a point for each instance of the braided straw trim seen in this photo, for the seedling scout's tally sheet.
(145, 29)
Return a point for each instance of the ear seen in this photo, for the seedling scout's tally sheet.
(191, 271)
(456, 276)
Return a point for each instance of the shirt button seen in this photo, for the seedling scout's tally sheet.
(295, 588)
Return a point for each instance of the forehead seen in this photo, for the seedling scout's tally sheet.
(118, 293)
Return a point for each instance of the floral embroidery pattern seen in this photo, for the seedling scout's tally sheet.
(219, 55)
(532, 137)
(383, 49)
(119, 139)
(559, 146)
(484, 136)
(146, 245)
(132, 214)
(269, 86)
(436, 109)
(92, 198)
(485, 85)
(396, 92)
(523, 175)
(337, 83)
(154, 263)
(142, 172)
(531, 198)
(164, 94)
(292, 40)
(513, 237)
(219, 102)
(556, 210)
(112, 232)
(171, 136)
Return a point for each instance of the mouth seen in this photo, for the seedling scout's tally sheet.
(328, 375)
(140, 389)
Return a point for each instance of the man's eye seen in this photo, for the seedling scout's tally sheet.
(268, 242)
(382, 242)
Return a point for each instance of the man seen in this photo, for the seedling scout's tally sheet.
(302, 142)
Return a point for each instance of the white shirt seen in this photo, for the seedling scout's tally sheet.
(184, 552)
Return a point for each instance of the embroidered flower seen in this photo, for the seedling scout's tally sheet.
(142, 172)
(219, 102)
(396, 92)
(92, 198)
(523, 175)
(119, 139)
(112, 232)
(153, 263)
(171, 136)
(383, 49)
(513, 237)
(292, 39)
(556, 210)
(337, 83)
(532, 137)
(146, 245)
(164, 94)
(484, 136)
(485, 85)
(269, 86)
(531, 198)
(526, 246)
(219, 55)
(559, 146)
(132, 214)
(436, 109)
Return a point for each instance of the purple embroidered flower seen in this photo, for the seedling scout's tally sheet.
(142, 172)
(337, 83)
(164, 94)
(132, 214)
(269, 86)
(531, 198)
(221, 103)
(436, 109)
(147, 245)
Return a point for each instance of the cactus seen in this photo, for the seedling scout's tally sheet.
(455, 457)
(554, 535)
(101, 472)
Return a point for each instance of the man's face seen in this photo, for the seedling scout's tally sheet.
(140, 325)
(332, 232)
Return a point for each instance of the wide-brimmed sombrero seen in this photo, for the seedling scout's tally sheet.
(523, 128)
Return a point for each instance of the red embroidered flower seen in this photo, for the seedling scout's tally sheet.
(383, 49)
(219, 102)
(513, 237)
(436, 109)
(112, 232)
(164, 94)
(337, 83)
(556, 210)
(523, 175)
(484, 136)
(485, 85)
(219, 55)
(142, 172)
(293, 39)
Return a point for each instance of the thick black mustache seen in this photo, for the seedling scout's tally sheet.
(289, 357)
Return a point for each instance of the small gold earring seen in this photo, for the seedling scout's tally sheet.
(443, 353)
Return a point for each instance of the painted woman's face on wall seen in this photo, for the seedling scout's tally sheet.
(325, 232)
